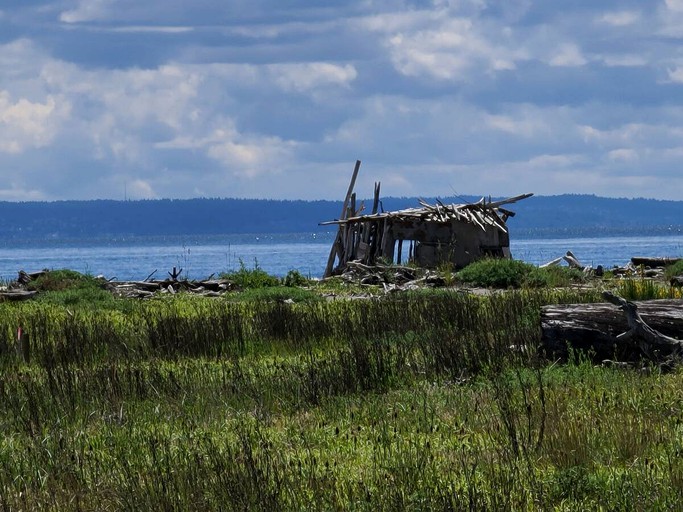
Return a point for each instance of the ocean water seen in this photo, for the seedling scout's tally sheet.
(136, 258)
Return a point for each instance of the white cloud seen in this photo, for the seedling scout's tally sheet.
(632, 135)
(25, 124)
(292, 29)
(21, 194)
(676, 74)
(568, 55)
(87, 10)
(623, 60)
(140, 189)
(554, 161)
(307, 76)
(151, 29)
(620, 18)
(523, 127)
(267, 101)
(450, 50)
(246, 156)
(19, 60)
(401, 21)
(674, 5)
(623, 155)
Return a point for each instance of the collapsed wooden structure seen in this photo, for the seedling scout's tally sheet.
(429, 235)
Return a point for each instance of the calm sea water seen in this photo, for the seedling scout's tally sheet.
(199, 257)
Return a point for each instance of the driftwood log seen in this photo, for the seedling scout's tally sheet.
(653, 262)
(16, 295)
(628, 332)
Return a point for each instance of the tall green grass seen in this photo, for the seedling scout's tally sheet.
(422, 401)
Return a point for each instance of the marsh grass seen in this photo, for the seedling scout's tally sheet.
(647, 289)
(413, 402)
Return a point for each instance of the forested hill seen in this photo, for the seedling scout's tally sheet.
(566, 215)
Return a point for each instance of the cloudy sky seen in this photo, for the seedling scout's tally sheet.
(278, 98)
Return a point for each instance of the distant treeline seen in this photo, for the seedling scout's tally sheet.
(565, 215)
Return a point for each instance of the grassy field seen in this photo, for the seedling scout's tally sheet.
(429, 400)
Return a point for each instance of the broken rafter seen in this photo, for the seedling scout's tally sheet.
(496, 204)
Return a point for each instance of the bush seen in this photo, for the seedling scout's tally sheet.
(70, 288)
(553, 277)
(296, 278)
(59, 280)
(251, 278)
(501, 273)
(496, 273)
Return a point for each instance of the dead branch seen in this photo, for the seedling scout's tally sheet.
(646, 337)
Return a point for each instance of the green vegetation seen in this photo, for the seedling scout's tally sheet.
(251, 277)
(429, 400)
(60, 280)
(674, 270)
(501, 273)
(71, 288)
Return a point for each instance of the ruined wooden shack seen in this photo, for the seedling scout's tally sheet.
(428, 236)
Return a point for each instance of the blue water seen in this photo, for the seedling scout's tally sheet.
(199, 257)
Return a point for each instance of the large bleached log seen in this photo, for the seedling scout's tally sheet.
(572, 260)
(596, 328)
(552, 263)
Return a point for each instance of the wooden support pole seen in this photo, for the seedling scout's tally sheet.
(375, 201)
(388, 242)
(336, 245)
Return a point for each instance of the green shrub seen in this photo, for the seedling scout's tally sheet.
(251, 278)
(674, 270)
(71, 288)
(553, 277)
(58, 280)
(501, 273)
(296, 278)
(496, 273)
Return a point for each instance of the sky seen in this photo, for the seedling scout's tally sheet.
(136, 99)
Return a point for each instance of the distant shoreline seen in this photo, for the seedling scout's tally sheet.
(564, 216)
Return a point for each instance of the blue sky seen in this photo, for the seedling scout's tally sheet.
(277, 99)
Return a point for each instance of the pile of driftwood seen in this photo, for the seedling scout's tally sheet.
(145, 289)
(574, 263)
(639, 266)
(210, 287)
(629, 332)
(392, 278)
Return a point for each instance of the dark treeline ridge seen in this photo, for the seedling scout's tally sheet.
(564, 215)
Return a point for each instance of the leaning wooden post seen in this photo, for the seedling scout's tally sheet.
(339, 238)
